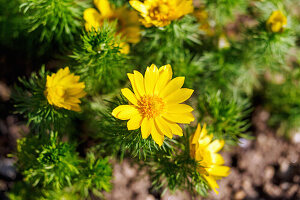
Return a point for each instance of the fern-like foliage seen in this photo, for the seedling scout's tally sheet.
(228, 118)
(97, 59)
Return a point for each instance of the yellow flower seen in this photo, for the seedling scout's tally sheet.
(277, 21)
(202, 17)
(161, 12)
(155, 105)
(204, 150)
(63, 90)
(128, 22)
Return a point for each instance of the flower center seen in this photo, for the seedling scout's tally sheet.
(160, 11)
(150, 106)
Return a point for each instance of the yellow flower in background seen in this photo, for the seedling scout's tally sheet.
(128, 21)
(202, 18)
(156, 103)
(204, 150)
(63, 90)
(277, 21)
(161, 12)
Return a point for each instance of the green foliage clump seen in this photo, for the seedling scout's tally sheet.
(53, 20)
(47, 162)
(285, 108)
(227, 118)
(97, 59)
(55, 171)
(95, 176)
(224, 11)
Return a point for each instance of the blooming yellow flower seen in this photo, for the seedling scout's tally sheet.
(161, 12)
(63, 90)
(128, 21)
(204, 150)
(155, 105)
(277, 21)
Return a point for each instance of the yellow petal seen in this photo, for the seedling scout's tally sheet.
(276, 27)
(204, 141)
(139, 6)
(166, 68)
(133, 84)
(179, 108)
(104, 7)
(175, 128)
(184, 118)
(151, 77)
(125, 112)
(217, 159)
(179, 96)
(156, 136)
(91, 14)
(130, 96)
(215, 146)
(139, 82)
(196, 134)
(220, 171)
(212, 183)
(164, 78)
(135, 122)
(203, 131)
(146, 127)
(172, 86)
(162, 127)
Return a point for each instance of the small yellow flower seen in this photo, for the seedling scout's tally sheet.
(204, 150)
(161, 12)
(277, 21)
(155, 105)
(63, 90)
(128, 21)
(202, 17)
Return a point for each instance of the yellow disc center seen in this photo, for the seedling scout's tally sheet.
(150, 106)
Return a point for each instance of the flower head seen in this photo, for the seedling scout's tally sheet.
(277, 21)
(161, 12)
(155, 103)
(63, 90)
(128, 22)
(204, 150)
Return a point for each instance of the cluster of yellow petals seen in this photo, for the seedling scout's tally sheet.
(277, 21)
(160, 13)
(204, 150)
(128, 21)
(156, 104)
(64, 90)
